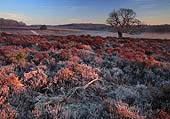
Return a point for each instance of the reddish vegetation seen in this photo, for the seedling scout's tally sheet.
(124, 112)
(63, 74)
(51, 76)
(162, 115)
(147, 51)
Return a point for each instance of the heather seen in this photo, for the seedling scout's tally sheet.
(77, 77)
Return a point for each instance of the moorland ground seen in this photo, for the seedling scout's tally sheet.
(68, 31)
(84, 77)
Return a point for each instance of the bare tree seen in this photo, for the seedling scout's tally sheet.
(122, 19)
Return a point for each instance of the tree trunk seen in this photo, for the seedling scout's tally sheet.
(120, 34)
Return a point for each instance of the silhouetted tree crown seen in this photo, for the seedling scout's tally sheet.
(122, 19)
(43, 27)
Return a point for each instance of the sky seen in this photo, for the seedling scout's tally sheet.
(56, 12)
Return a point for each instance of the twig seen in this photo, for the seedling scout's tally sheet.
(62, 98)
(87, 85)
(80, 87)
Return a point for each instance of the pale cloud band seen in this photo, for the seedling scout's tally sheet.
(29, 20)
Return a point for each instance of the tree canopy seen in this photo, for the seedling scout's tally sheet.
(122, 19)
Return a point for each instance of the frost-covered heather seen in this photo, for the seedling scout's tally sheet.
(75, 77)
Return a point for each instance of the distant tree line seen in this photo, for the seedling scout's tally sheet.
(9, 22)
(150, 29)
(157, 28)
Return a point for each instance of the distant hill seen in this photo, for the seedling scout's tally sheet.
(157, 28)
(86, 26)
(103, 27)
(10, 22)
(81, 26)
